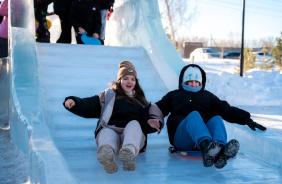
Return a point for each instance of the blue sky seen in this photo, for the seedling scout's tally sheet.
(220, 18)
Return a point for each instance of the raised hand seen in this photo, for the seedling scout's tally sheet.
(69, 103)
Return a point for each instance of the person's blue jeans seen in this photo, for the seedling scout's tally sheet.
(192, 130)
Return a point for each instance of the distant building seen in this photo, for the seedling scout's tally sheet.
(190, 47)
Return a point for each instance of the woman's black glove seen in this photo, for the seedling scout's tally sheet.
(253, 125)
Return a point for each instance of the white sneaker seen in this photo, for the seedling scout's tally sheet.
(127, 156)
(106, 156)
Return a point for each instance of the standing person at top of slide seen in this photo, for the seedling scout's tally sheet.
(123, 119)
(62, 9)
(43, 35)
(85, 17)
(196, 118)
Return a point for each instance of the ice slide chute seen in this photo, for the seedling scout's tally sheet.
(37, 130)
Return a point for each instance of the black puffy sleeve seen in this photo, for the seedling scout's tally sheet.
(85, 107)
(228, 112)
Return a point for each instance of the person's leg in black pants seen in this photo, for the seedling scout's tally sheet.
(3, 47)
(65, 36)
(43, 35)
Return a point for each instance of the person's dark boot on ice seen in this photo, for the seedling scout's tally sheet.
(228, 151)
(210, 149)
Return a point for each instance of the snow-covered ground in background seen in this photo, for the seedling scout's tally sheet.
(259, 92)
(256, 88)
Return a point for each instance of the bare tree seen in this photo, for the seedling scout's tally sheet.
(255, 43)
(269, 42)
(177, 14)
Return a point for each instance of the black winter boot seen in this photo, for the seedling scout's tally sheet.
(43, 40)
(210, 149)
(229, 151)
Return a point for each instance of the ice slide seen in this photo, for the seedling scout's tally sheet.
(61, 146)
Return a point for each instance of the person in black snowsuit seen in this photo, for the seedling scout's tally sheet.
(43, 35)
(123, 119)
(85, 17)
(195, 120)
(62, 9)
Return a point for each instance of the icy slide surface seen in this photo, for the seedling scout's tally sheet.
(71, 74)
(61, 146)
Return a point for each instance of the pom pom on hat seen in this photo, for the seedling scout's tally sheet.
(192, 73)
(126, 68)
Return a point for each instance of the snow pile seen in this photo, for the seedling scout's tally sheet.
(256, 88)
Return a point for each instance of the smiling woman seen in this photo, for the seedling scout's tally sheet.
(123, 113)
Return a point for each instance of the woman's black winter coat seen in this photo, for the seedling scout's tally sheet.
(123, 112)
(180, 103)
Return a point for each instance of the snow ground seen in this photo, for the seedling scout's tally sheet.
(13, 163)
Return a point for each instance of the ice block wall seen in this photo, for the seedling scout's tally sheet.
(262, 145)
(138, 23)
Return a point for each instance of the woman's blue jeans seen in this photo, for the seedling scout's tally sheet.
(192, 130)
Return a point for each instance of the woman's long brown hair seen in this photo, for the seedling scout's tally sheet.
(120, 93)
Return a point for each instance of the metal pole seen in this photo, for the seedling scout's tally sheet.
(242, 46)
